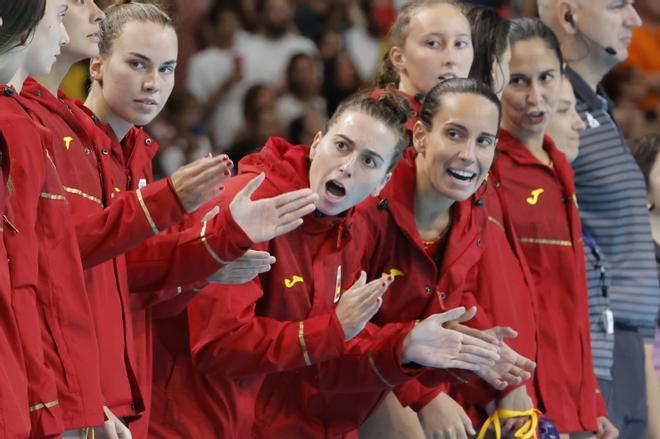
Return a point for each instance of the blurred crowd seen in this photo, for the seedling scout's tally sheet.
(249, 69)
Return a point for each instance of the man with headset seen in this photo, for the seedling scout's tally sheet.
(594, 37)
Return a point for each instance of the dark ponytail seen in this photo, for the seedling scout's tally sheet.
(490, 39)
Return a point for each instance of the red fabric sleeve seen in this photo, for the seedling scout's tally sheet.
(27, 179)
(372, 361)
(173, 259)
(226, 334)
(130, 218)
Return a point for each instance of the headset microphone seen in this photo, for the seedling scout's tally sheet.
(608, 49)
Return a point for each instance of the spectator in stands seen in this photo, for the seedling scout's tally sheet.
(260, 121)
(215, 73)
(340, 80)
(303, 86)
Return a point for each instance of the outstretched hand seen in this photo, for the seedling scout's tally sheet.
(265, 219)
(431, 344)
(243, 269)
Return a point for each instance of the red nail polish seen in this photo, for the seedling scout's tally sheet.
(227, 173)
(384, 284)
(390, 277)
(222, 188)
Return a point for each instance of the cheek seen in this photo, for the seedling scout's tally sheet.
(465, 62)
(486, 156)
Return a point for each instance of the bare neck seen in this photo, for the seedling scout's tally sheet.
(57, 74)
(97, 103)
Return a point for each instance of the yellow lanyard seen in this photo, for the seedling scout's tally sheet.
(527, 431)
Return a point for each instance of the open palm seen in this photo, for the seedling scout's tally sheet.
(263, 220)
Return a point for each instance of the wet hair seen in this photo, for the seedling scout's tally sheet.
(388, 75)
(490, 39)
(126, 11)
(390, 108)
(433, 100)
(645, 150)
(526, 28)
(19, 19)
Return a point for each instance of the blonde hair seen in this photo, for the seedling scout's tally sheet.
(126, 11)
(388, 75)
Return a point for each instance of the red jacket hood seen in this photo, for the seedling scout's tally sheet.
(286, 165)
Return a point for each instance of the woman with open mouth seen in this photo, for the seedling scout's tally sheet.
(535, 181)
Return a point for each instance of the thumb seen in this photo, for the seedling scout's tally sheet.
(450, 315)
(251, 187)
(502, 332)
(467, 315)
(361, 281)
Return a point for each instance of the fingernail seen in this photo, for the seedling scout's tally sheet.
(383, 284)
(227, 172)
(221, 188)
(390, 277)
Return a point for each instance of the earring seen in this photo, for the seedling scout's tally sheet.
(650, 206)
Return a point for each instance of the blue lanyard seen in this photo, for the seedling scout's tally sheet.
(598, 265)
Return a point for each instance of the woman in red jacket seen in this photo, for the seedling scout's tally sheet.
(19, 20)
(48, 265)
(536, 184)
(445, 28)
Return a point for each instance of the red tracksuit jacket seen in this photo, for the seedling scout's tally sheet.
(553, 249)
(14, 405)
(282, 320)
(47, 263)
(102, 232)
(340, 396)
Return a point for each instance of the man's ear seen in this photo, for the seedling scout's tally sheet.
(96, 69)
(380, 187)
(315, 145)
(397, 58)
(419, 136)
